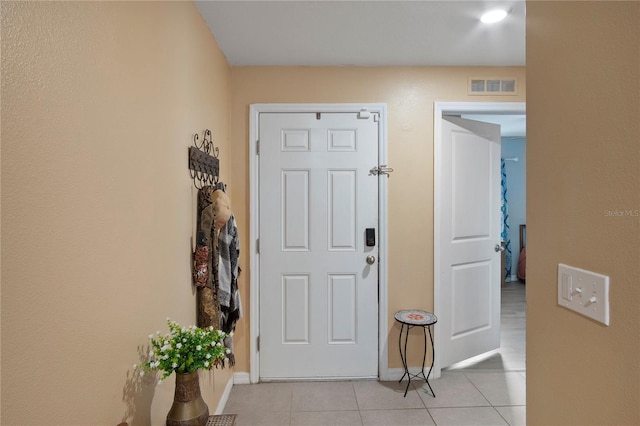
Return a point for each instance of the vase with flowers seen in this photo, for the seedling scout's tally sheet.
(185, 350)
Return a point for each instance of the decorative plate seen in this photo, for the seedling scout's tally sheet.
(416, 317)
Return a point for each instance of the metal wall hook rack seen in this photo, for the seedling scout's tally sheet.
(203, 160)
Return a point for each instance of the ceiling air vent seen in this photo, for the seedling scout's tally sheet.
(492, 86)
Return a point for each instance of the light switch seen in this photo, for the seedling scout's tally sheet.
(584, 292)
(567, 289)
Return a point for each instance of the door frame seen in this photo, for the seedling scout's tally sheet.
(440, 109)
(254, 281)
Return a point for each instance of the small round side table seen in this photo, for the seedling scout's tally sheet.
(409, 319)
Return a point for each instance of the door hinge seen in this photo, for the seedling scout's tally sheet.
(258, 343)
(258, 147)
(258, 245)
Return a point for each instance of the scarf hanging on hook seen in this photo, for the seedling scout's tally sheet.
(216, 279)
(228, 272)
(208, 306)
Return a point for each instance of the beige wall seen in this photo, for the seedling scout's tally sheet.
(409, 94)
(99, 104)
(583, 161)
(100, 101)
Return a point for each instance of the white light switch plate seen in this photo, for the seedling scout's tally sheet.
(585, 292)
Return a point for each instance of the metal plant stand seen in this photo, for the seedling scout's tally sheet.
(409, 319)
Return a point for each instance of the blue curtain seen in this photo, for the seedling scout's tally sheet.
(504, 233)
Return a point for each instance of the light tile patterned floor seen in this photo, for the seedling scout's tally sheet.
(490, 391)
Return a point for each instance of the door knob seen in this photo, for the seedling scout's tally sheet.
(371, 260)
(499, 247)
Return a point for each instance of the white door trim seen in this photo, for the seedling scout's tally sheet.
(440, 109)
(254, 114)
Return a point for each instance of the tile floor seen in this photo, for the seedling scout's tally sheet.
(486, 391)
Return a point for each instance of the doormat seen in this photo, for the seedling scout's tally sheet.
(222, 420)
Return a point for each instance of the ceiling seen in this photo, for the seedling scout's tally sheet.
(366, 33)
(371, 33)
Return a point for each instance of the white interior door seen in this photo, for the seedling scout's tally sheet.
(318, 295)
(469, 315)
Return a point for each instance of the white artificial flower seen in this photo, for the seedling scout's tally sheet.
(179, 345)
(198, 348)
(150, 353)
(165, 356)
(218, 344)
(211, 328)
(174, 365)
(184, 339)
(228, 351)
(206, 363)
(207, 356)
(231, 334)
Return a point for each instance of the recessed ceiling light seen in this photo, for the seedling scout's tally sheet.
(493, 16)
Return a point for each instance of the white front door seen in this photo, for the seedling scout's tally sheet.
(469, 229)
(318, 295)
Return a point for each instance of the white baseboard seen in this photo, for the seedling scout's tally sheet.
(388, 375)
(225, 396)
(241, 378)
